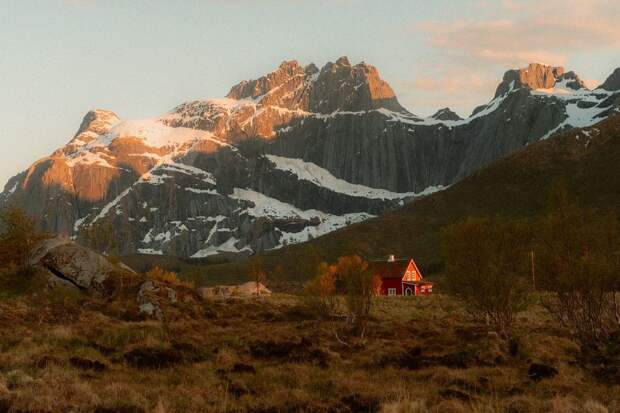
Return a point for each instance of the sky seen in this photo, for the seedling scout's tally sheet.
(140, 58)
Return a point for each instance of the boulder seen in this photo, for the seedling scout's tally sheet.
(69, 263)
(151, 296)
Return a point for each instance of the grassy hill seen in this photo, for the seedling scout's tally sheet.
(586, 161)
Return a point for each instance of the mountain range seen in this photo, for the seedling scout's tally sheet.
(287, 157)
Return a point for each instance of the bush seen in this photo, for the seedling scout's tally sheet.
(350, 276)
(169, 277)
(320, 292)
(359, 282)
(579, 262)
(486, 266)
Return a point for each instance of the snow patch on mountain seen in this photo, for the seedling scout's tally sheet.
(89, 158)
(152, 131)
(13, 188)
(311, 172)
(327, 225)
(577, 117)
(189, 170)
(229, 246)
(271, 207)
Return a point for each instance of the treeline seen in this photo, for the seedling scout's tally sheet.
(569, 256)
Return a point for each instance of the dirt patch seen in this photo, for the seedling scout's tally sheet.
(414, 359)
(87, 364)
(153, 357)
(302, 351)
(243, 368)
(164, 357)
(541, 371)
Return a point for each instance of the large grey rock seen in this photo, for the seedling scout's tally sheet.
(78, 266)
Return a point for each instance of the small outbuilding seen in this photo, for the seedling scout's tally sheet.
(400, 277)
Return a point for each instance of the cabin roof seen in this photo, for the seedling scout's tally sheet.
(385, 269)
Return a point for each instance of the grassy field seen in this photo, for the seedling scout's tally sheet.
(64, 352)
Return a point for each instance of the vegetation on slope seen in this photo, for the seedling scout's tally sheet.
(585, 161)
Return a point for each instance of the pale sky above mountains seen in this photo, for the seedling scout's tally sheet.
(140, 58)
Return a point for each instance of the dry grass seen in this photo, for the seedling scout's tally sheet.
(271, 355)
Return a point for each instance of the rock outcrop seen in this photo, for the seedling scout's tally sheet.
(535, 76)
(283, 158)
(152, 295)
(612, 83)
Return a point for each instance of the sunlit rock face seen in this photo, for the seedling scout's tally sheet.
(292, 155)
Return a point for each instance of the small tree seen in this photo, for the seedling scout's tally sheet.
(579, 263)
(360, 284)
(257, 273)
(18, 239)
(486, 264)
(320, 292)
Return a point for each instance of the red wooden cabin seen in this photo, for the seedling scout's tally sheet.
(400, 277)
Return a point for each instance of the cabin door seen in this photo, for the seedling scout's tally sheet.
(408, 291)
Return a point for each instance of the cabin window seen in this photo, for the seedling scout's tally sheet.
(391, 291)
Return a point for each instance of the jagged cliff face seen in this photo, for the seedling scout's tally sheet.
(292, 155)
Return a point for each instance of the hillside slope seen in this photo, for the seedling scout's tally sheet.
(586, 161)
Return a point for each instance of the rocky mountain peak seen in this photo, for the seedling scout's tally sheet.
(341, 86)
(97, 121)
(338, 86)
(612, 83)
(311, 69)
(445, 114)
(253, 89)
(343, 61)
(534, 76)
